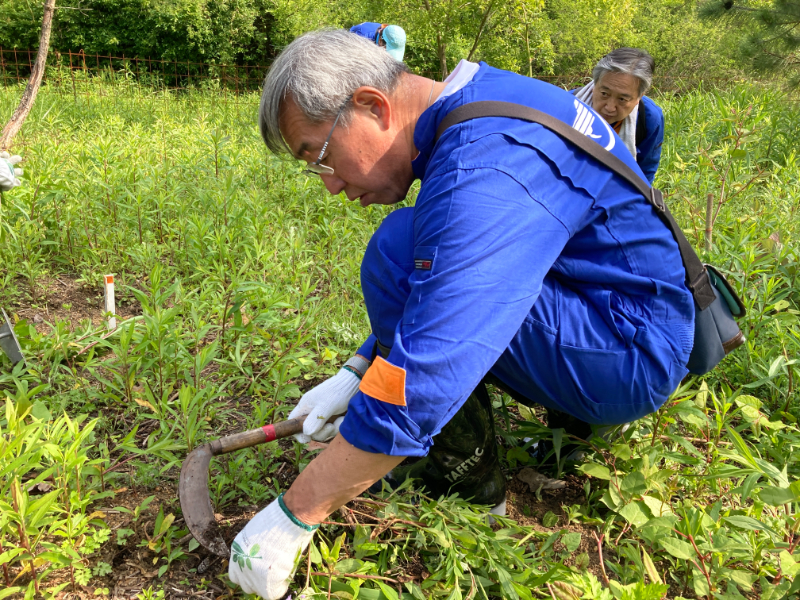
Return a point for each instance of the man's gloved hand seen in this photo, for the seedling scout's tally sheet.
(8, 173)
(264, 554)
(329, 398)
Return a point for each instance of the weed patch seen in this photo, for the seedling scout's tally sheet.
(237, 286)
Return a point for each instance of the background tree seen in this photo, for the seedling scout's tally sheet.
(32, 89)
(533, 37)
(772, 42)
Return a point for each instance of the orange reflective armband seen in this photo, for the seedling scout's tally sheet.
(385, 382)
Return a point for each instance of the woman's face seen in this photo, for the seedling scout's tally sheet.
(615, 96)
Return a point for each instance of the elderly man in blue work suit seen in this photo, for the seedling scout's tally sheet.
(522, 260)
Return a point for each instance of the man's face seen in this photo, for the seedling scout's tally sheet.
(615, 96)
(367, 157)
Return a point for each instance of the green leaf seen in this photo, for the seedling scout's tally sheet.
(634, 484)
(678, 548)
(666, 524)
(550, 519)
(745, 400)
(506, 584)
(9, 592)
(315, 555)
(337, 547)
(701, 399)
(466, 538)
(775, 496)
(323, 550)
(571, 541)
(634, 514)
(749, 523)
(650, 568)
(387, 591)
(348, 565)
(40, 411)
(700, 584)
(621, 451)
(743, 579)
(595, 470)
(788, 565)
(657, 507)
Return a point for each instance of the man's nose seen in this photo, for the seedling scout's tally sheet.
(333, 184)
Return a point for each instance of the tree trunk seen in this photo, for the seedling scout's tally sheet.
(480, 30)
(441, 45)
(29, 96)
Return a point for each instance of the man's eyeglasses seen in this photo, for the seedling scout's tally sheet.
(316, 168)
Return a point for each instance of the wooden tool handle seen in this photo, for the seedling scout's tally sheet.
(254, 437)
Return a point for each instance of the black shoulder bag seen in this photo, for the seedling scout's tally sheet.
(716, 303)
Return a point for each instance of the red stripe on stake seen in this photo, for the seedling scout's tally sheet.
(109, 279)
(269, 431)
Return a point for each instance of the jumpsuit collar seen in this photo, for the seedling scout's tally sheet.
(428, 123)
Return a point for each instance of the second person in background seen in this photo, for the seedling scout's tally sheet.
(391, 37)
(617, 92)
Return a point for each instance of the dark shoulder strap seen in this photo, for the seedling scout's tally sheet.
(696, 277)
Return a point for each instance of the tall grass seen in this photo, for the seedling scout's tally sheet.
(245, 278)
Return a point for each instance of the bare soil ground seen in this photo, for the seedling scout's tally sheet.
(67, 299)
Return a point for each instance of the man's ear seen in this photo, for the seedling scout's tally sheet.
(374, 104)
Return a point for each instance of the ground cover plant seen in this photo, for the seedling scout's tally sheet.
(237, 283)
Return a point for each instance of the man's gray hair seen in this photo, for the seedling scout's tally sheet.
(320, 70)
(632, 61)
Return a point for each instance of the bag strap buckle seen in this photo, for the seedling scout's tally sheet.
(657, 199)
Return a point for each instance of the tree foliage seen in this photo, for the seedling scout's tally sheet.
(772, 39)
(534, 37)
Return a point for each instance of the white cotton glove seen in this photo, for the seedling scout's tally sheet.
(9, 174)
(264, 554)
(329, 398)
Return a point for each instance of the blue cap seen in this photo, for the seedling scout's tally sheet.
(395, 38)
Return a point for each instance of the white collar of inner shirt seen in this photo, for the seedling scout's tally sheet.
(461, 76)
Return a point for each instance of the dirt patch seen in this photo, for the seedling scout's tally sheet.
(64, 298)
(529, 509)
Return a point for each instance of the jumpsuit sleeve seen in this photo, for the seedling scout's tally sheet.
(649, 151)
(366, 348)
(488, 243)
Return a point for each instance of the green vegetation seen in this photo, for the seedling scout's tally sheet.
(542, 37)
(237, 281)
(771, 43)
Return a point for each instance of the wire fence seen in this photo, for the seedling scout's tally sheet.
(78, 73)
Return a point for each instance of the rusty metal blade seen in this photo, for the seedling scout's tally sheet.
(8, 340)
(193, 487)
(196, 501)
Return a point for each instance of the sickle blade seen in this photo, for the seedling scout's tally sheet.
(8, 340)
(196, 501)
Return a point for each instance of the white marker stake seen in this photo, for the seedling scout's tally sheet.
(109, 289)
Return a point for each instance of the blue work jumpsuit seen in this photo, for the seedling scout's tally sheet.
(522, 258)
(649, 137)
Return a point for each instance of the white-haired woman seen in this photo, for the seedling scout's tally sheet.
(617, 91)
